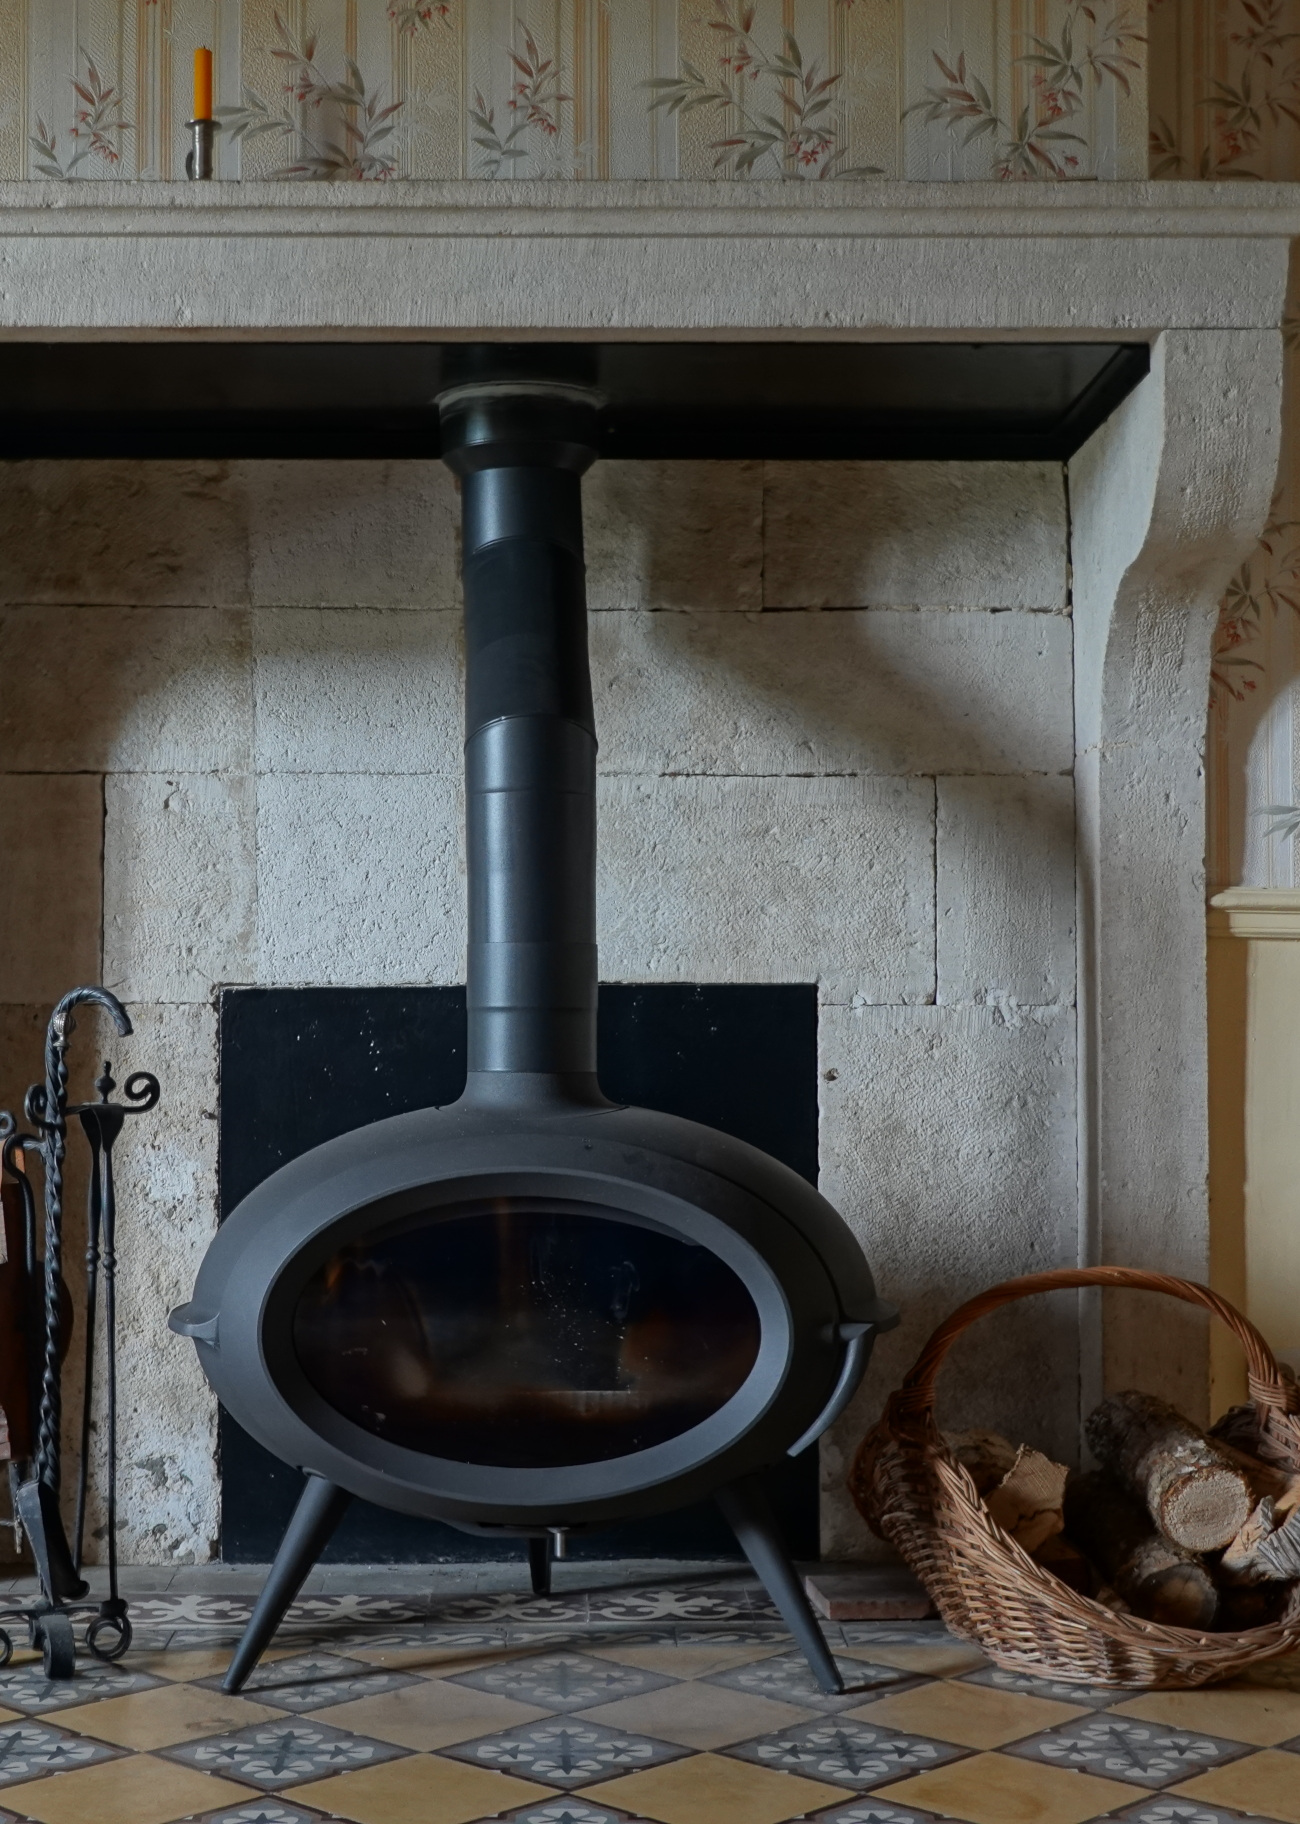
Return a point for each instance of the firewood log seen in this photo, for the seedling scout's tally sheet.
(1027, 1501)
(986, 1455)
(1267, 1549)
(1066, 1561)
(1256, 1605)
(1280, 1485)
(1279, 1552)
(1240, 1563)
(1195, 1493)
(1157, 1580)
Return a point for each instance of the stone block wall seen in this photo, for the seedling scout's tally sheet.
(835, 711)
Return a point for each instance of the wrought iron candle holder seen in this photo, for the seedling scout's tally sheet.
(36, 1483)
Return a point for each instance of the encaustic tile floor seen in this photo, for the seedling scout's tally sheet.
(674, 1699)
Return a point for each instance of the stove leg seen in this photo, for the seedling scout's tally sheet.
(749, 1514)
(320, 1508)
(539, 1565)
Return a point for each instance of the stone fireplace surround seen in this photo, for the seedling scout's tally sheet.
(965, 798)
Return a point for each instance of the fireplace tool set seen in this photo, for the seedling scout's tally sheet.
(36, 1320)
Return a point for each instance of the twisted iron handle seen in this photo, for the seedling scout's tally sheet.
(47, 1109)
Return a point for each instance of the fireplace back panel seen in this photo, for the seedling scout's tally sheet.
(300, 1065)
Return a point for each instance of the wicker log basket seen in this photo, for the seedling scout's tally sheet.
(914, 1494)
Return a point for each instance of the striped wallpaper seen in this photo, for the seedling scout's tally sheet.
(578, 88)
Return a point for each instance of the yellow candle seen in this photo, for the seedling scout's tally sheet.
(203, 84)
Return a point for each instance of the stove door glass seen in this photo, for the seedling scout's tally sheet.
(527, 1334)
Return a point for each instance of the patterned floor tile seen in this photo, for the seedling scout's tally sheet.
(973, 1716)
(187, 1639)
(898, 1634)
(1260, 1714)
(137, 1789)
(872, 1811)
(150, 1640)
(433, 1654)
(1283, 1673)
(26, 1688)
(1166, 1810)
(165, 1715)
(568, 1810)
(523, 1639)
(786, 1678)
(845, 1752)
(191, 1609)
(698, 1715)
(937, 1659)
(600, 1634)
(423, 1789)
(282, 1753)
(188, 1664)
(309, 1681)
(430, 1713)
(689, 1603)
(28, 1751)
(333, 1612)
(693, 1660)
(995, 1789)
(543, 1610)
(1123, 1748)
(420, 1634)
(1267, 1785)
(709, 1789)
(263, 1811)
(1058, 1689)
(681, 1704)
(561, 1681)
(752, 1634)
(565, 1752)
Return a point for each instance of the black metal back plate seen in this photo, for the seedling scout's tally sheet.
(804, 401)
(300, 1065)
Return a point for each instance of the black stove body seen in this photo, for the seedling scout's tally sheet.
(533, 1311)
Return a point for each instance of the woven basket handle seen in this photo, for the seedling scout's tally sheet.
(915, 1398)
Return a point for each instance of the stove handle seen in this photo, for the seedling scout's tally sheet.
(859, 1338)
(198, 1325)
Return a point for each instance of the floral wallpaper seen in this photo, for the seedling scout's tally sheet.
(1224, 101)
(382, 89)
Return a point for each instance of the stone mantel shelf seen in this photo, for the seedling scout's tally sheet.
(883, 259)
(901, 209)
(1256, 912)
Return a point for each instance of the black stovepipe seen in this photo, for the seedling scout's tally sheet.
(520, 450)
(519, 428)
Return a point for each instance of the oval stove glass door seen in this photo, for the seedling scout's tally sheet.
(526, 1333)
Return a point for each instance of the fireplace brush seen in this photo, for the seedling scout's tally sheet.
(34, 1294)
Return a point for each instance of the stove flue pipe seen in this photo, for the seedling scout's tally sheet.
(520, 447)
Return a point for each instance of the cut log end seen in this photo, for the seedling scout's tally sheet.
(1159, 1581)
(1191, 1487)
(1205, 1508)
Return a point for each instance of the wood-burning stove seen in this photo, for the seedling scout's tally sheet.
(532, 1311)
